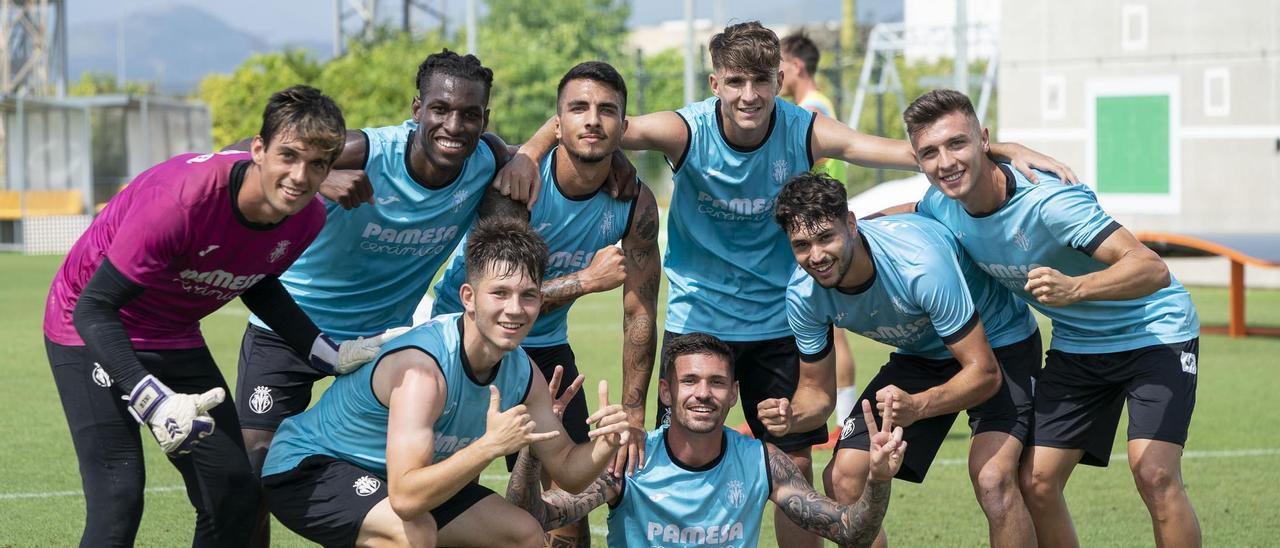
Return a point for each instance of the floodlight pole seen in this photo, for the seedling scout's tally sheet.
(471, 28)
(961, 63)
(689, 53)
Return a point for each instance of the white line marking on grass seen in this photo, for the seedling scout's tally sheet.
(160, 489)
(1221, 454)
(78, 493)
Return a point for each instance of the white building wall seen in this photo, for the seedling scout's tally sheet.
(1219, 65)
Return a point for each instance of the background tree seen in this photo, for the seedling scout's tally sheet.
(236, 100)
(530, 45)
(374, 82)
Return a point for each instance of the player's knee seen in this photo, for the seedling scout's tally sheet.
(522, 531)
(114, 511)
(803, 459)
(1155, 480)
(996, 488)
(116, 495)
(419, 535)
(420, 532)
(1038, 488)
(257, 441)
(845, 486)
(256, 444)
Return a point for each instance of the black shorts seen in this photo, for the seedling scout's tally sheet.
(764, 369)
(1079, 396)
(575, 415)
(272, 382)
(326, 499)
(1010, 410)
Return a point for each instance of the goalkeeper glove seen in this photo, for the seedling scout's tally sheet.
(178, 421)
(333, 358)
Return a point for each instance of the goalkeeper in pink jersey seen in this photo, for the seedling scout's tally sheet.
(122, 321)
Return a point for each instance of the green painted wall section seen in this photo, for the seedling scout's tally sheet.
(1133, 144)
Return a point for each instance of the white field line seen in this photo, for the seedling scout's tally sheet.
(1189, 455)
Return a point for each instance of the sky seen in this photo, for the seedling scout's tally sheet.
(312, 20)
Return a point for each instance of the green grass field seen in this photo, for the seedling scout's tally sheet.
(1230, 468)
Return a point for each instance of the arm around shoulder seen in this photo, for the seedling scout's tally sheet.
(666, 132)
(831, 139)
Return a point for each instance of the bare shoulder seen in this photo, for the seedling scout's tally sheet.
(406, 368)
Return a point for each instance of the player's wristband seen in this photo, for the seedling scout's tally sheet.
(324, 355)
(146, 397)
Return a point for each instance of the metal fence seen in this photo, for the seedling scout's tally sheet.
(65, 157)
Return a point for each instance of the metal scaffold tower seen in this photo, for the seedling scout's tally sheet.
(363, 18)
(880, 77)
(33, 47)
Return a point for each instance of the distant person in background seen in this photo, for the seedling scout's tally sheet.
(799, 65)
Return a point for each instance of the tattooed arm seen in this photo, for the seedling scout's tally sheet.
(640, 310)
(855, 525)
(555, 508)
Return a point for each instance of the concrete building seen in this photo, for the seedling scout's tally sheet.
(1170, 109)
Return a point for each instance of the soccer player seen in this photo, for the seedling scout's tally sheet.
(581, 224)
(963, 343)
(798, 68)
(122, 321)
(727, 262)
(371, 264)
(704, 484)
(391, 453)
(1124, 330)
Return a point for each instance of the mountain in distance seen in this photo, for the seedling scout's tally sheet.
(174, 46)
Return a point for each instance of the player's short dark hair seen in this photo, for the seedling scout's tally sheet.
(808, 200)
(596, 71)
(799, 46)
(748, 47)
(449, 63)
(693, 343)
(311, 116)
(931, 106)
(500, 245)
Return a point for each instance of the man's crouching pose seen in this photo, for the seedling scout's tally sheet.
(391, 453)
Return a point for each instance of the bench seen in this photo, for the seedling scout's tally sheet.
(1255, 249)
(39, 203)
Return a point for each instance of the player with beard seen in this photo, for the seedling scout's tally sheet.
(799, 68)
(704, 484)
(392, 453)
(1124, 329)
(122, 321)
(581, 226)
(727, 262)
(962, 343)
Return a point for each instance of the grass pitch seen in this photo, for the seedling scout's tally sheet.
(1230, 467)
